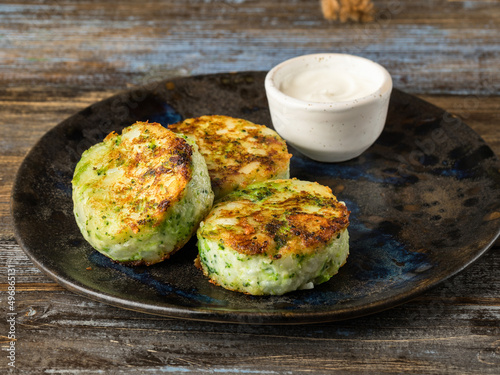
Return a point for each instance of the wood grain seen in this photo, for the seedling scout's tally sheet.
(59, 56)
(99, 44)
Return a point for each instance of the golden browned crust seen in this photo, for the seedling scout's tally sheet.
(153, 168)
(299, 224)
(237, 152)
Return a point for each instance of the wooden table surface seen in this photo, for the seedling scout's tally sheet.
(59, 56)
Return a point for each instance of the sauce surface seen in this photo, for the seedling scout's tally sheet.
(328, 84)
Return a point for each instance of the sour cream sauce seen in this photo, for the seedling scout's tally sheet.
(328, 84)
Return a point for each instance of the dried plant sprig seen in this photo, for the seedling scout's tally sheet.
(348, 10)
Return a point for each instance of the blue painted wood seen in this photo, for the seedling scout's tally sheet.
(434, 47)
(59, 56)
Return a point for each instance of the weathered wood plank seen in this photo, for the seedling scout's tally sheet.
(99, 337)
(59, 56)
(430, 46)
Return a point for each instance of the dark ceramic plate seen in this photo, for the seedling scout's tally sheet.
(423, 199)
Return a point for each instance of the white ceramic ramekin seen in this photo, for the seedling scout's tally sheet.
(329, 131)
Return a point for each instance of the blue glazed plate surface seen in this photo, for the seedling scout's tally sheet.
(424, 203)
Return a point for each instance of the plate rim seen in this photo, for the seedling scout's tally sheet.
(213, 314)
